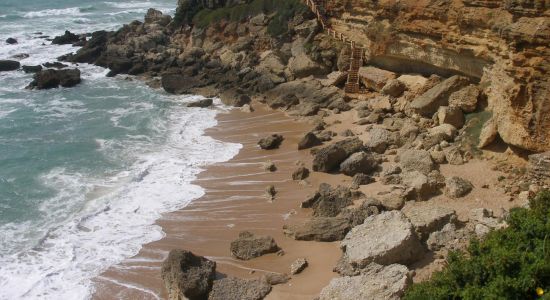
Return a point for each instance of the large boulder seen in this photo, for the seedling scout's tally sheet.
(489, 133)
(451, 115)
(321, 229)
(175, 83)
(67, 38)
(376, 282)
(420, 184)
(385, 239)
(466, 99)
(429, 102)
(375, 78)
(457, 187)
(9, 65)
(427, 218)
(249, 246)
(242, 289)
(359, 162)
(330, 202)
(329, 158)
(47, 79)
(416, 160)
(235, 98)
(201, 103)
(187, 276)
(32, 69)
(394, 88)
(271, 142)
(308, 141)
(379, 140)
(301, 65)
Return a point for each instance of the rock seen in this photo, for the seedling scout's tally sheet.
(420, 183)
(457, 187)
(269, 166)
(416, 160)
(359, 162)
(385, 239)
(330, 202)
(438, 157)
(301, 65)
(409, 129)
(249, 246)
(375, 78)
(429, 102)
(376, 282)
(451, 115)
(300, 174)
(360, 179)
(489, 133)
(271, 142)
(67, 38)
(9, 65)
(270, 192)
(201, 103)
(321, 229)
(308, 141)
(47, 79)
(427, 218)
(484, 217)
(32, 69)
(247, 108)
(466, 99)
(379, 140)
(329, 158)
(380, 103)
(449, 237)
(446, 132)
(55, 65)
(242, 289)
(275, 278)
(305, 109)
(539, 166)
(178, 84)
(187, 276)
(481, 230)
(11, 41)
(298, 266)
(394, 88)
(453, 155)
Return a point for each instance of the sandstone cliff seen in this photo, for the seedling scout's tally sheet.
(503, 44)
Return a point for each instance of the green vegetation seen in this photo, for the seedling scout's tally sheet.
(283, 10)
(510, 263)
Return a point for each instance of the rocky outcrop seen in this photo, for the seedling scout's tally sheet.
(249, 246)
(427, 218)
(359, 162)
(187, 276)
(308, 141)
(376, 282)
(50, 78)
(416, 160)
(67, 38)
(329, 158)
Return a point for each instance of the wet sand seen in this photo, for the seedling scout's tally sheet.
(235, 201)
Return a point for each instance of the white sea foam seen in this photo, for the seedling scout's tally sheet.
(113, 225)
(130, 4)
(71, 11)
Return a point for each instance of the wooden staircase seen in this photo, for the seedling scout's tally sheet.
(356, 62)
(357, 51)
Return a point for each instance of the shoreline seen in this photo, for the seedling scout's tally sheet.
(234, 201)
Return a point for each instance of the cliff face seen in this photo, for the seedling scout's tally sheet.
(502, 44)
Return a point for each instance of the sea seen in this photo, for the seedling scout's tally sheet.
(86, 171)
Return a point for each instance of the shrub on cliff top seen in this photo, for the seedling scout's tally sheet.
(510, 263)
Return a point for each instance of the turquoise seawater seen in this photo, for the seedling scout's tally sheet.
(86, 171)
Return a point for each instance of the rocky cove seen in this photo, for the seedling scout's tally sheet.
(448, 132)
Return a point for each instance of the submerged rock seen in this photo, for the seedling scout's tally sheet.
(9, 65)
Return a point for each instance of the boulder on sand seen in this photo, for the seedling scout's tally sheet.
(242, 289)
(359, 162)
(249, 246)
(427, 218)
(298, 266)
(386, 238)
(300, 174)
(321, 229)
(429, 102)
(271, 142)
(308, 141)
(329, 158)
(457, 187)
(9, 65)
(48, 79)
(187, 276)
(376, 282)
(416, 160)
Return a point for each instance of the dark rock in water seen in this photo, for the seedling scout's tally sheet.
(242, 289)
(187, 276)
(249, 246)
(201, 103)
(9, 65)
(118, 65)
(329, 158)
(308, 141)
(319, 229)
(93, 48)
(67, 38)
(56, 65)
(300, 174)
(32, 69)
(11, 41)
(271, 142)
(47, 79)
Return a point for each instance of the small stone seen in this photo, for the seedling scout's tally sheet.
(457, 187)
(298, 266)
(300, 174)
(269, 166)
(270, 192)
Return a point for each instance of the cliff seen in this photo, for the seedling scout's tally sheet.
(502, 44)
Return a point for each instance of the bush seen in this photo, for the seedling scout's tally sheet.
(510, 263)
